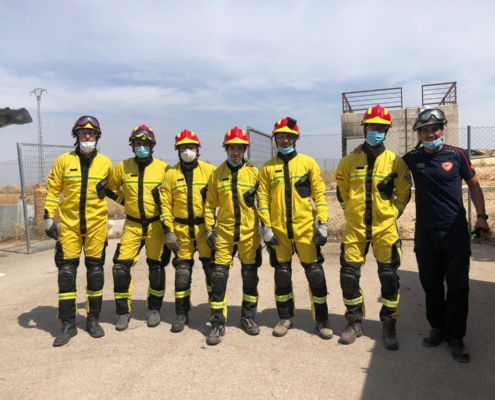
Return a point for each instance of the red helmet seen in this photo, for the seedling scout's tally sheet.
(186, 137)
(236, 136)
(86, 122)
(288, 125)
(377, 115)
(142, 132)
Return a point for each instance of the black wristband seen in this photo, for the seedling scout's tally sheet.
(484, 216)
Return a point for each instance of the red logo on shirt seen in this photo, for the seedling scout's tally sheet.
(447, 166)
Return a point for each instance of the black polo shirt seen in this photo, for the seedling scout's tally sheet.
(438, 184)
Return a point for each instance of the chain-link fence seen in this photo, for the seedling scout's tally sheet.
(11, 210)
(35, 162)
(261, 146)
(327, 150)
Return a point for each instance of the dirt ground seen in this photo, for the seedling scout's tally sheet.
(144, 363)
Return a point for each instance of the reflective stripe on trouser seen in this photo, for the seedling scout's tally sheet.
(94, 247)
(387, 251)
(226, 249)
(94, 300)
(187, 248)
(67, 304)
(127, 253)
(123, 300)
(308, 253)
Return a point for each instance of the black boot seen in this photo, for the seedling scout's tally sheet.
(93, 326)
(434, 339)
(459, 353)
(390, 341)
(68, 330)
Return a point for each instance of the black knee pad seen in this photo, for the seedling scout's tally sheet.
(96, 278)
(219, 277)
(121, 275)
(315, 276)
(67, 278)
(389, 279)
(283, 276)
(249, 276)
(157, 276)
(349, 278)
(182, 276)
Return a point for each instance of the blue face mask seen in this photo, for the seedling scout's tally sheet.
(374, 138)
(142, 152)
(433, 145)
(233, 163)
(285, 151)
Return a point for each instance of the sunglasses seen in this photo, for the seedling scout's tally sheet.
(87, 132)
(376, 128)
(83, 121)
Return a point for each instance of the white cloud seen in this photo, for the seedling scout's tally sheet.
(210, 66)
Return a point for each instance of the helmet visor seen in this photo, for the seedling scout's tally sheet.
(143, 134)
(83, 121)
(431, 116)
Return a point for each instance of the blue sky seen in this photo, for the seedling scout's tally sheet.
(209, 66)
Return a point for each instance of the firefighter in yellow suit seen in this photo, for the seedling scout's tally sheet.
(373, 188)
(288, 183)
(183, 195)
(81, 176)
(140, 178)
(232, 189)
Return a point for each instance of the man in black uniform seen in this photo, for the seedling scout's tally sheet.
(442, 240)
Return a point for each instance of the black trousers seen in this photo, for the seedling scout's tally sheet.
(443, 255)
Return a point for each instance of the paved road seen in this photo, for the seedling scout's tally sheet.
(144, 363)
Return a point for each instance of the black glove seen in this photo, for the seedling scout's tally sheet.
(210, 239)
(51, 229)
(269, 237)
(321, 234)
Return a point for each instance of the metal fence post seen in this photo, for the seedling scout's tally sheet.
(24, 198)
(469, 193)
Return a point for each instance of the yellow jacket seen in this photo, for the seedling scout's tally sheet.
(288, 183)
(373, 191)
(82, 181)
(140, 187)
(182, 195)
(233, 191)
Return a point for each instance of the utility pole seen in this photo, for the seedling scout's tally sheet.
(38, 92)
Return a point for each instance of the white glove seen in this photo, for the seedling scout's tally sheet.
(172, 241)
(269, 237)
(321, 234)
(51, 229)
(210, 239)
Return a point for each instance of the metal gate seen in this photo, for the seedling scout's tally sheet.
(35, 161)
(261, 148)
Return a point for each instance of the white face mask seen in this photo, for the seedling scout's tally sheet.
(87, 147)
(188, 155)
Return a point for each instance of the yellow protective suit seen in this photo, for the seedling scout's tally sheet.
(138, 184)
(83, 223)
(182, 197)
(373, 191)
(233, 191)
(288, 185)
